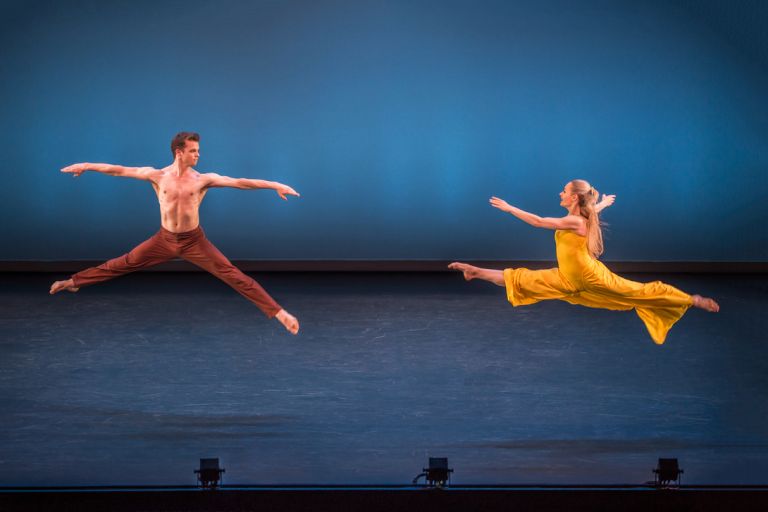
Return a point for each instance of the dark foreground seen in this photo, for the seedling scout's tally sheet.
(389, 499)
(133, 381)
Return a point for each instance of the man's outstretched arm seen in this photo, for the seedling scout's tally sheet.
(139, 173)
(216, 180)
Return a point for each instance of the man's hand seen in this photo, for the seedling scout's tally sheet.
(501, 204)
(283, 190)
(75, 169)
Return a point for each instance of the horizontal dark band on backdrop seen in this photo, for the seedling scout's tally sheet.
(685, 267)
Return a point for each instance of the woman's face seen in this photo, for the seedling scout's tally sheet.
(567, 197)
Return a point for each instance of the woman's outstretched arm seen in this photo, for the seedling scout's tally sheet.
(605, 202)
(569, 222)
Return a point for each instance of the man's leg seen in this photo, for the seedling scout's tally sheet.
(206, 256)
(150, 252)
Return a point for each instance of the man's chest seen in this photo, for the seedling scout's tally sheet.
(175, 189)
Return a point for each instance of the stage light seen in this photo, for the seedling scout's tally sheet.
(209, 474)
(666, 472)
(437, 474)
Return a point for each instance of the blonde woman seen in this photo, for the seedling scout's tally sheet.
(579, 277)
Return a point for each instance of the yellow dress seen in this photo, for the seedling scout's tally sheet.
(581, 279)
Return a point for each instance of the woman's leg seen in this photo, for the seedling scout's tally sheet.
(705, 303)
(486, 274)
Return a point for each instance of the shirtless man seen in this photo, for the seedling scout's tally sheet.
(180, 190)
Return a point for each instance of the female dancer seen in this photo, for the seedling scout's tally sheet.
(579, 277)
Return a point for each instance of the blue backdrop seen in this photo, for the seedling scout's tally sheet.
(395, 120)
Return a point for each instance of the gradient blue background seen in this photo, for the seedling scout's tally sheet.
(395, 120)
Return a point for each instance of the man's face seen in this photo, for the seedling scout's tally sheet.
(190, 154)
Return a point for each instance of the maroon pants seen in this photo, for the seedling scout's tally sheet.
(192, 246)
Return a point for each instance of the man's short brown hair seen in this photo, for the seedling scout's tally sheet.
(180, 140)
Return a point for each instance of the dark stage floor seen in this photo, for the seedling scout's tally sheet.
(131, 382)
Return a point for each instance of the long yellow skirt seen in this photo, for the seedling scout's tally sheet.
(658, 305)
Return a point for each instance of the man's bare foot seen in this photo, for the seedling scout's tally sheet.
(469, 271)
(288, 320)
(58, 286)
(705, 303)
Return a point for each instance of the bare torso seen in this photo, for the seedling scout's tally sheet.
(179, 196)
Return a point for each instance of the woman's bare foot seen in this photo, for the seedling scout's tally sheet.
(705, 303)
(288, 320)
(58, 286)
(469, 271)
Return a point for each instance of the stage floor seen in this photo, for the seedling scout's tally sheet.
(132, 381)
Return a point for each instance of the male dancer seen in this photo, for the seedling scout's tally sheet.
(180, 190)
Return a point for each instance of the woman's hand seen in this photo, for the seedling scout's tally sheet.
(501, 204)
(607, 201)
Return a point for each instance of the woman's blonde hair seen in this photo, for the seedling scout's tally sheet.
(587, 199)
